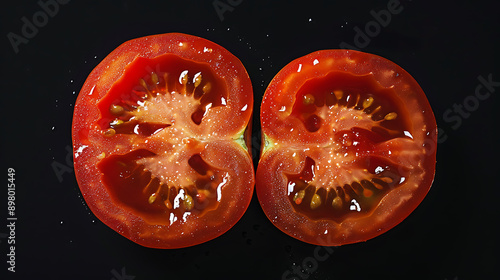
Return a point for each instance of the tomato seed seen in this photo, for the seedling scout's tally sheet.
(367, 102)
(116, 109)
(315, 201)
(338, 94)
(390, 116)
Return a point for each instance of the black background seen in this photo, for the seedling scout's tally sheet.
(446, 46)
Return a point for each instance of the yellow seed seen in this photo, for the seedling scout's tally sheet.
(116, 122)
(116, 109)
(337, 203)
(375, 110)
(367, 102)
(338, 94)
(184, 79)
(390, 116)
(168, 204)
(154, 78)
(207, 87)
(109, 132)
(308, 99)
(188, 202)
(143, 83)
(367, 192)
(378, 185)
(315, 201)
(299, 196)
(387, 179)
(197, 80)
(152, 198)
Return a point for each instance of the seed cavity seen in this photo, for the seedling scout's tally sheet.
(313, 123)
(124, 111)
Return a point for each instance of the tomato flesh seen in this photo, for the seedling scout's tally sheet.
(156, 156)
(349, 147)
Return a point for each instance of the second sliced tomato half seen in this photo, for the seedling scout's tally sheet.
(349, 147)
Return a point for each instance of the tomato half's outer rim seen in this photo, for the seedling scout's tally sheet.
(89, 148)
(279, 146)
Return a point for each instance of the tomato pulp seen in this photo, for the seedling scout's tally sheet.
(349, 147)
(160, 139)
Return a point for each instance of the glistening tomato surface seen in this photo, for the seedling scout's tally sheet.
(160, 141)
(349, 147)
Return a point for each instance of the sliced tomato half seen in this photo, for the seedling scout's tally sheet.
(349, 147)
(160, 139)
